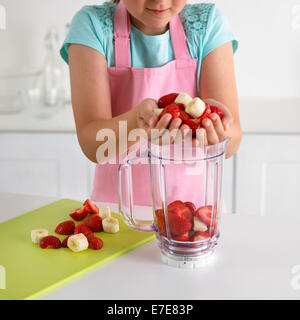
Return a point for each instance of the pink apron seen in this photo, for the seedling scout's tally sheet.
(129, 86)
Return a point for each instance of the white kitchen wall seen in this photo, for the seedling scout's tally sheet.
(267, 62)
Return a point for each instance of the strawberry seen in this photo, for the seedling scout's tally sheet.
(206, 113)
(182, 114)
(178, 222)
(172, 109)
(174, 204)
(160, 220)
(50, 242)
(79, 213)
(193, 124)
(181, 106)
(199, 236)
(217, 110)
(82, 228)
(181, 209)
(66, 227)
(182, 237)
(94, 223)
(191, 206)
(90, 207)
(205, 214)
(95, 243)
(64, 244)
(167, 99)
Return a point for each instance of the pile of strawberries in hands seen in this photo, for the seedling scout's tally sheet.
(191, 111)
(186, 223)
(82, 236)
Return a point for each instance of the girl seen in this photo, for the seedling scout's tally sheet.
(124, 56)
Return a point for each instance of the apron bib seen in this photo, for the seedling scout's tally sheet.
(129, 87)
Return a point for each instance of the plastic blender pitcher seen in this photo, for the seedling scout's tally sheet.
(186, 196)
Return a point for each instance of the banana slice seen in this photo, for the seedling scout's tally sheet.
(38, 234)
(78, 242)
(199, 225)
(110, 225)
(158, 111)
(195, 108)
(104, 212)
(183, 98)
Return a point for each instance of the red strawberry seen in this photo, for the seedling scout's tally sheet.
(90, 207)
(172, 109)
(94, 223)
(64, 244)
(181, 106)
(205, 214)
(183, 115)
(217, 110)
(79, 213)
(182, 237)
(193, 124)
(50, 242)
(191, 206)
(174, 204)
(160, 220)
(178, 223)
(82, 228)
(66, 227)
(95, 243)
(199, 236)
(206, 112)
(167, 99)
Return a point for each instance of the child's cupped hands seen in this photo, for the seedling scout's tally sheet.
(212, 130)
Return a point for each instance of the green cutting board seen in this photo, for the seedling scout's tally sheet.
(31, 271)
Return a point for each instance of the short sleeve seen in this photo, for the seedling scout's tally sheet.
(82, 31)
(218, 32)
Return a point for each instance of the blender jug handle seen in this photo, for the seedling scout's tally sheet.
(139, 225)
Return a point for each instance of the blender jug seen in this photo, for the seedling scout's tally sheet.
(186, 196)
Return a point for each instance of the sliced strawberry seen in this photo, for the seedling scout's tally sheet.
(217, 110)
(79, 213)
(66, 227)
(182, 237)
(172, 109)
(82, 228)
(95, 243)
(178, 223)
(191, 206)
(167, 99)
(91, 207)
(206, 113)
(199, 236)
(94, 223)
(175, 204)
(51, 242)
(182, 114)
(160, 220)
(64, 243)
(193, 124)
(205, 214)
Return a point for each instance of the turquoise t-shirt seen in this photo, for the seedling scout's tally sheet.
(205, 26)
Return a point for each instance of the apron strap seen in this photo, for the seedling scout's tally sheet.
(122, 37)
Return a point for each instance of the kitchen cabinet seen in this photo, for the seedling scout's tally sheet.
(268, 175)
(45, 164)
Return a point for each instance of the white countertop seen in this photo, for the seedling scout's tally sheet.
(257, 116)
(254, 260)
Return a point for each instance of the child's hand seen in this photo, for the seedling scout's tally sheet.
(215, 129)
(148, 120)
